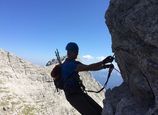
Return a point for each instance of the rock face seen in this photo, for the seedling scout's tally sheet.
(25, 89)
(133, 25)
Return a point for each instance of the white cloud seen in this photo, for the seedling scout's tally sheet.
(88, 57)
(91, 58)
(100, 58)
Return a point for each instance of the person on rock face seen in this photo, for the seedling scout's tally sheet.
(74, 93)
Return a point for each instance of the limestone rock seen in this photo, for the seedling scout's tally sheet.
(133, 25)
(26, 89)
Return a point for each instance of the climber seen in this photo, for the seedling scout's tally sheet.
(72, 86)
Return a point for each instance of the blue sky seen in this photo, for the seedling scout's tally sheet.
(33, 29)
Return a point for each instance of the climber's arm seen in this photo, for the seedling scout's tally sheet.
(91, 67)
(94, 66)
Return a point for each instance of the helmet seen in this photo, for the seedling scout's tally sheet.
(73, 47)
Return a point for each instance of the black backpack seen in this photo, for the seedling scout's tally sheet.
(56, 75)
(72, 82)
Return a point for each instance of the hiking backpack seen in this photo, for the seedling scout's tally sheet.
(56, 75)
(60, 83)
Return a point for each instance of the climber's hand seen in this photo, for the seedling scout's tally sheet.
(108, 59)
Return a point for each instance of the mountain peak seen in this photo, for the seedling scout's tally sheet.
(27, 89)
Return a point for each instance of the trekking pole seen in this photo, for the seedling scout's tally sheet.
(58, 56)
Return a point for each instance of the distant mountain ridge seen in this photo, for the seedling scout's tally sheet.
(101, 76)
(24, 89)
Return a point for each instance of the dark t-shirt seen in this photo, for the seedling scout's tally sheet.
(68, 67)
(70, 76)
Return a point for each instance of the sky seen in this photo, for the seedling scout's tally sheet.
(34, 29)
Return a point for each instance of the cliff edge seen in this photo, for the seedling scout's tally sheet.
(133, 25)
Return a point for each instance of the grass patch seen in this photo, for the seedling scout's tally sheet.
(28, 110)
